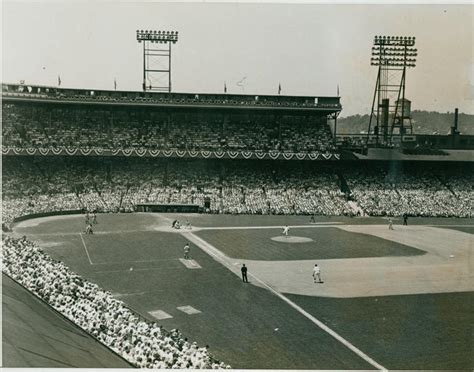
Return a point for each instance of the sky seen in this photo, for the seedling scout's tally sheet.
(310, 49)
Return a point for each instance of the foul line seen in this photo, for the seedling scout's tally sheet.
(208, 248)
(321, 325)
(85, 248)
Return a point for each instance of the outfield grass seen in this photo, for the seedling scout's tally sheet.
(328, 242)
(108, 222)
(428, 331)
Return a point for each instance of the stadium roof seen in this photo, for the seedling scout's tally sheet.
(20, 92)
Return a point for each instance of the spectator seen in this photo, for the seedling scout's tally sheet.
(142, 343)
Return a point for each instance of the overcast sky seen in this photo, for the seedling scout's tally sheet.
(309, 48)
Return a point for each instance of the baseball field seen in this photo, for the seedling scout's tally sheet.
(391, 299)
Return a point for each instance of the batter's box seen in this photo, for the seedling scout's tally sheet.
(190, 264)
(188, 310)
(160, 314)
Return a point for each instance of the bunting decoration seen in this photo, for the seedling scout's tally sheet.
(141, 152)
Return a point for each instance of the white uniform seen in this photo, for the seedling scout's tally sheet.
(286, 230)
(317, 274)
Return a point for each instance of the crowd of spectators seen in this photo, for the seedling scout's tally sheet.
(233, 187)
(32, 185)
(141, 342)
(56, 127)
(419, 191)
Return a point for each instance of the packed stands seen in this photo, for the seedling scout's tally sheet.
(54, 127)
(416, 191)
(32, 185)
(141, 342)
(65, 183)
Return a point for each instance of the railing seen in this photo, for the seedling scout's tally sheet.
(52, 93)
(47, 214)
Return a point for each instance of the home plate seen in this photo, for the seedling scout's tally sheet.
(190, 264)
(159, 314)
(188, 310)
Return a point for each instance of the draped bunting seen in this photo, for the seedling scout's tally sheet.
(219, 154)
(141, 152)
(56, 151)
(72, 151)
(274, 154)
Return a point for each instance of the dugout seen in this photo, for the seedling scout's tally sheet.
(170, 208)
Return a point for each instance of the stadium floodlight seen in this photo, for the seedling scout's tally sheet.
(156, 59)
(386, 49)
(392, 55)
(157, 36)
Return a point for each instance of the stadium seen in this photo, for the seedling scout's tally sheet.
(128, 216)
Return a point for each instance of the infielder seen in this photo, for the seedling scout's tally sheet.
(317, 274)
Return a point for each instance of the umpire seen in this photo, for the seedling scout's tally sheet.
(244, 273)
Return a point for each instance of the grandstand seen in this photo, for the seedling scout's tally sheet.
(272, 158)
(185, 125)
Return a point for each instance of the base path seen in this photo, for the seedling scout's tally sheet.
(447, 266)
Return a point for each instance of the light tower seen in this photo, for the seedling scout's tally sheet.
(157, 59)
(390, 115)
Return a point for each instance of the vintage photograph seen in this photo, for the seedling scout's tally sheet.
(237, 185)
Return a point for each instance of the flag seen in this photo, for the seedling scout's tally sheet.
(225, 87)
(115, 84)
(338, 90)
(279, 88)
(59, 81)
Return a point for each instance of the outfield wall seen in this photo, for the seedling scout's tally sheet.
(46, 214)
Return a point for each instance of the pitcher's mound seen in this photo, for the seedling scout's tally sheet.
(291, 239)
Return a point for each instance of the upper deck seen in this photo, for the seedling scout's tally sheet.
(22, 92)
